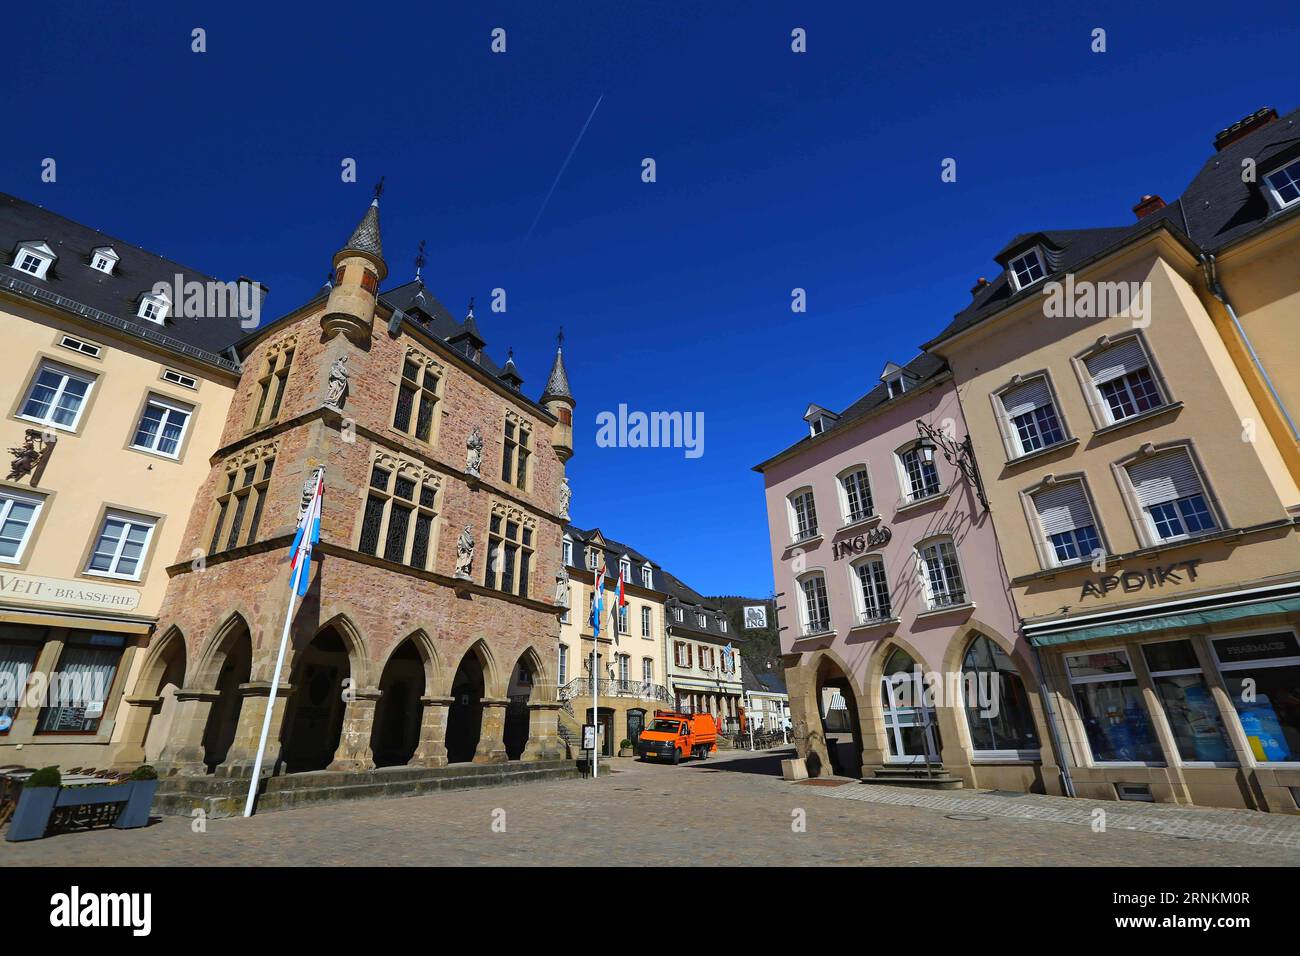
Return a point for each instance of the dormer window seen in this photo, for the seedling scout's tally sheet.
(104, 260)
(819, 419)
(625, 569)
(896, 386)
(154, 307)
(1284, 184)
(593, 559)
(647, 576)
(34, 259)
(1026, 269)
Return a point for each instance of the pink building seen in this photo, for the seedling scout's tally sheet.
(886, 563)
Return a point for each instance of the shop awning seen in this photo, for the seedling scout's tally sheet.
(1168, 622)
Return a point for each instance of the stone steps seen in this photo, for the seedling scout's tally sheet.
(225, 796)
(915, 776)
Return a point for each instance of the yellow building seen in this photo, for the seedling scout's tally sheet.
(631, 677)
(114, 394)
(1131, 424)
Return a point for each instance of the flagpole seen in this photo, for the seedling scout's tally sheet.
(299, 566)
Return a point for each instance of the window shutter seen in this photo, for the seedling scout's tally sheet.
(1164, 477)
(1025, 398)
(1127, 356)
(1063, 508)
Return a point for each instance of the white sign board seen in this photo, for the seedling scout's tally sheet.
(59, 591)
(588, 736)
(755, 616)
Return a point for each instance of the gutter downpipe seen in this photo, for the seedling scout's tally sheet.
(1049, 704)
(1212, 282)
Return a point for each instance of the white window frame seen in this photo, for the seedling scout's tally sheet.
(678, 615)
(1130, 674)
(1150, 531)
(1105, 412)
(161, 302)
(846, 507)
(105, 255)
(168, 406)
(860, 609)
(131, 521)
(562, 665)
(80, 346)
(646, 629)
(566, 551)
(647, 576)
(905, 478)
(648, 670)
(1041, 260)
(1247, 665)
(180, 378)
(1050, 560)
(625, 567)
(8, 497)
(42, 254)
(1292, 169)
(1017, 447)
(792, 512)
(927, 590)
(805, 612)
(68, 372)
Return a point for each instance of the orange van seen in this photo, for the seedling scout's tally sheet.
(673, 736)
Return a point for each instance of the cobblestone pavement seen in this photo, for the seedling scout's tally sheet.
(732, 809)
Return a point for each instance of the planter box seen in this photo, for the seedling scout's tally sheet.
(35, 804)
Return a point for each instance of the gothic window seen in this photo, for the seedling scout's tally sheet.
(510, 550)
(417, 397)
(397, 523)
(238, 509)
(271, 384)
(515, 452)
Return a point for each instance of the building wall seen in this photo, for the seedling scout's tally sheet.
(88, 470)
(853, 657)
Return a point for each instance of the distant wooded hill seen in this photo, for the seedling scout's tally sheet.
(758, 646)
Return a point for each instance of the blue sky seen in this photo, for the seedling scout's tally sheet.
(775, 170)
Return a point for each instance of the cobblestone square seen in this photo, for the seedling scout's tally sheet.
(732, 809)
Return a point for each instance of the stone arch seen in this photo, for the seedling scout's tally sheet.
(361, 665)
(527, 682)
(888, 720)
(208, 664)
(161, 676)
(954, 660)
(404, 682)
(225, 665)
(836, 714)
(476, 679)
(436, 678)
(320, 670)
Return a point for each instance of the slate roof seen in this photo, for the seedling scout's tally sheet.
(921, 369)
(1215, 210)
(677, 592)
(366, 238)
(557, 383)
(765, 682)
(117, 294)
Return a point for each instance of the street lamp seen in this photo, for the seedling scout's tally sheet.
(959, 454)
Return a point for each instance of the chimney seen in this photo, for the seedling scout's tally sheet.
(1147, 205)
(1244, 127)
(980, 285)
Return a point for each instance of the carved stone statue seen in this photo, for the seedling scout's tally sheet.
(474, 453)
(562, 587)
(308, 492)
(566, 495)
(464, 553)
(338, 383)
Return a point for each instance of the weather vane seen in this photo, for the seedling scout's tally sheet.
(420, 260)
(559, 338)
(379, 187)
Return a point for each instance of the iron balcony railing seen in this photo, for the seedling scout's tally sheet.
(877, 616)
(821, 625)
(805, 533)
(862, 514)
(580, 687)
(942, 599)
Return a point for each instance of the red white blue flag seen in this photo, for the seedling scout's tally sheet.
(598, 604)
(306, 536)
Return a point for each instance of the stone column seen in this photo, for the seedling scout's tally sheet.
(432, 749)
(248, 731)
(491, 745)
(183, 753)
(354, 751)
(543, 733)
(135, 726)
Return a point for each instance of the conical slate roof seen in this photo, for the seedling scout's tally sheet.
(557, 384)
(365, 238)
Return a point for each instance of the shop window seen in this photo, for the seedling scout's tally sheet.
(1110, 705)
(997, 706)
(1193, 716)
(19, 646)
(80, 685)
(1262, 674)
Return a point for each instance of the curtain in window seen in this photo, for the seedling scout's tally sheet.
(16, 662)
(78, 690)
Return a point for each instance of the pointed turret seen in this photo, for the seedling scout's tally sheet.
(468, 341)
(359, 267)
(558, 400)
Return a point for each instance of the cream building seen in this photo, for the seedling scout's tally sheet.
(631, 677)
(113, 399)
(1140, 467)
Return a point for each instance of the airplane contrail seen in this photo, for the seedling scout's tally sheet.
(565, 165)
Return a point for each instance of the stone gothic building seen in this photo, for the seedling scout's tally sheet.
(429, 629)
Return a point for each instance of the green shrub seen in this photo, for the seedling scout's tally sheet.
(143, 772)
(45, 777)
(625, 744)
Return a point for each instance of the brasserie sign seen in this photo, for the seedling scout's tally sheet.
(875, 538)
(1148, 579)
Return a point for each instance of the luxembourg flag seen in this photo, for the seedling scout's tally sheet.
(620, 602)
(598, 605)
(307, 535)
